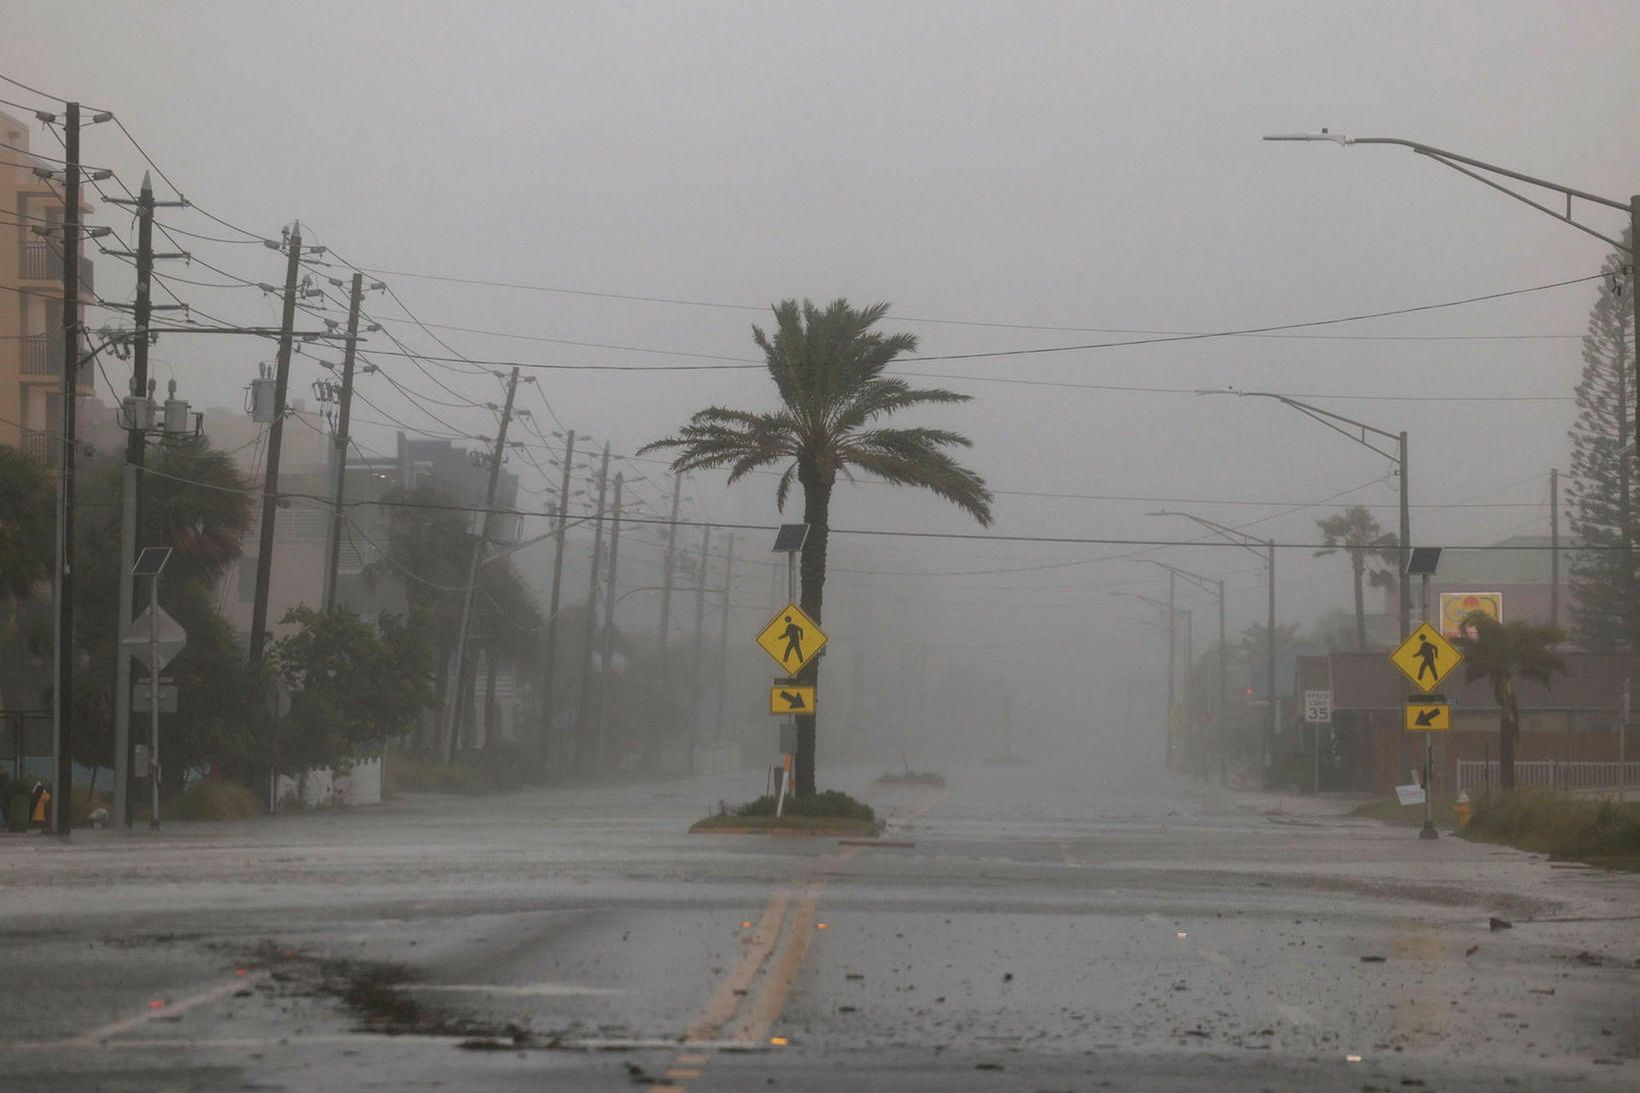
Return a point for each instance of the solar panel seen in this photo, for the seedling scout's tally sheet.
(790, 538)
(151, 561)
(1424, 561)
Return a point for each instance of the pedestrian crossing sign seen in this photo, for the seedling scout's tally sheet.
(791, 639)
(1426, 657)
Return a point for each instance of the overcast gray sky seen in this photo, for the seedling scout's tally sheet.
(1095, 166)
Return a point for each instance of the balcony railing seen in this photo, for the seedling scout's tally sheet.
(41, 262)
(42, 355)
(39, 447)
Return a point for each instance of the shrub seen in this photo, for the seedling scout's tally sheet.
(414, 774)
(215, 799)
(831, 804)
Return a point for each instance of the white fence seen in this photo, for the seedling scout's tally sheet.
(1476, 774)
(322, 788)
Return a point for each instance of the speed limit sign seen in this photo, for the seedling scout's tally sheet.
(1318, 707)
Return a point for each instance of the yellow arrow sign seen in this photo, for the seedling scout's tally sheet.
(792, 639)
(1426, 658)
(791, 698)
(1424, 716)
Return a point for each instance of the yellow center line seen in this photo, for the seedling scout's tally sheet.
(721, 1008)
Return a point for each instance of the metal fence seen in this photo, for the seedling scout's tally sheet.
(1476, 774)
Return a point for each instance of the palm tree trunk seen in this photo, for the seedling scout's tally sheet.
(1360, 565)
(817, 514)
(1508, 732)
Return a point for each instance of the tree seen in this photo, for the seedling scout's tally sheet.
(352, 685)
(1499, 652)
(827, 366)
(27, 528)
(1601, 483)
(1370, 548)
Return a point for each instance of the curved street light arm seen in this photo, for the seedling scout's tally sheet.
(1331, 420)
(1206, 584)
(1247, 542)
(1453, 159)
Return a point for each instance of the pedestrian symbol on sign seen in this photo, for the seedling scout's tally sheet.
(793, 634)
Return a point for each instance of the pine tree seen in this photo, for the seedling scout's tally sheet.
(1601, 487)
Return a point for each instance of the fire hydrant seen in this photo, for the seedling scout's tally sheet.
(1461, 807)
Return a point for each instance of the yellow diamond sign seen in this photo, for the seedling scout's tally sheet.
(792, 639)
(1426, 658)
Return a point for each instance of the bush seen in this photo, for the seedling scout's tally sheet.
(415, 774)
(831, 804)
(1557, 824)
(214, 799)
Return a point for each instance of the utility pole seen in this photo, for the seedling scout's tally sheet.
(1554, 546)
(131, 496)
(583, 746)
(666, 575)
(550, 653)
(453, 719)
(1274, 719)
(609, 627)
(1172, 671)
(723, 638)
(700, 644)
(1222, 711)
(276, 435)
(62, 804)
(341, 441)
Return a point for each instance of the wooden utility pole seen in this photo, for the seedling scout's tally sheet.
(63, 696)
(341, 442)
(583, 741)
(550, 652)
(276, 436)
(666, 578)
(136, 450)
(609, 628)
(1554, 546)
(695, 688)
(456, 695)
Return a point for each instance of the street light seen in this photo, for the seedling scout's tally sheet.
(1251, 544)
(1462, 165)
(1359, 432)
(1171, 613)
(1214, 587)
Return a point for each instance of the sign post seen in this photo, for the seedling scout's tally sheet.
(1318, 712)
(791, 639)
(1426, 658)
(150, 563)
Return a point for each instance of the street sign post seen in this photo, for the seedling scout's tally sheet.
(1428, 713)
(792, 639)
(155, 654)
(1426, 658)
(142, 698)
(787, 698)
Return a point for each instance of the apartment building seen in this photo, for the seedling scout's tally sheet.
(31, 297)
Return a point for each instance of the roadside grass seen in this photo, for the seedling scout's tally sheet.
(1596, 830)
(213, 799)
(911, 778)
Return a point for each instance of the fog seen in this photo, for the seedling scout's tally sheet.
(1007, 177)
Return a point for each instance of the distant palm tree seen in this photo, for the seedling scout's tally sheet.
(1500, 651)
(827, 366)
(1356, 533)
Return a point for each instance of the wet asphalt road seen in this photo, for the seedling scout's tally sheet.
(1042, 933)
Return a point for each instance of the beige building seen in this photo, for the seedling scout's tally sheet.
(31, 309)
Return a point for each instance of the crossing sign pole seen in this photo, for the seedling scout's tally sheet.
(789, 540)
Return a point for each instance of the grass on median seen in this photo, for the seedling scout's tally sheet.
(830, 812)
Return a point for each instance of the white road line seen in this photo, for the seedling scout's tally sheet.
(170, 1009)
(526, 990)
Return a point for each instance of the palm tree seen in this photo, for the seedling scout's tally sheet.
(1500, 651)
(1356, 533)
(827, 366)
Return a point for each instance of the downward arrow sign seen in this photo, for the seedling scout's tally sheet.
(1428, 717)
(793, 701)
